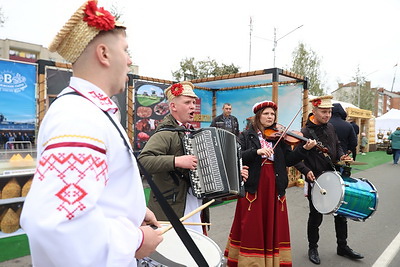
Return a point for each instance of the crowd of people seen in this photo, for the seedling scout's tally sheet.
(15, 140)
(88, 186)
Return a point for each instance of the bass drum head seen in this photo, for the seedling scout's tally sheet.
(334, 186)
(172, 252)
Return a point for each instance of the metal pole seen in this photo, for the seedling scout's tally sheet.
(251, 29)
(276, 40)
(275, 44)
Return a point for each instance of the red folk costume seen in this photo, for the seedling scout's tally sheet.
(260, 233)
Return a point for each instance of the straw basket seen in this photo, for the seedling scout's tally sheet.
(26, 187)
(10, 222)
(11, 189)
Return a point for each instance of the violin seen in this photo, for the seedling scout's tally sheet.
(290, 137)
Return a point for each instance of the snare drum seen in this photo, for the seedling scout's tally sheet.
(353, 198)
(172, 252)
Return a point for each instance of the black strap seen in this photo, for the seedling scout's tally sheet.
(325, 154)
(181, 130)
(169, 212)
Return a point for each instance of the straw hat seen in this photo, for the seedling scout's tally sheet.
(322, 101)
(88, 21)
(177, 89)
(264, 104)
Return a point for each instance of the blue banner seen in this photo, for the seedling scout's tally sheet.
(17, 96)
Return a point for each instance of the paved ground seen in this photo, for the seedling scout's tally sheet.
(370, 238)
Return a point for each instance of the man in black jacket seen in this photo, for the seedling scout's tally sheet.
(343, 128)
(318, 128)
(357, 131)
(226, 120)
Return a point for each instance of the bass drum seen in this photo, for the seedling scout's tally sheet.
(173, 253)
(354, 198)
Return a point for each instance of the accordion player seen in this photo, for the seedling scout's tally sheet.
(219, 163)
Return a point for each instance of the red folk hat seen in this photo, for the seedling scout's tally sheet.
(264, 104)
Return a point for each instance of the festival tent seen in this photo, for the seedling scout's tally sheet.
(388, 121)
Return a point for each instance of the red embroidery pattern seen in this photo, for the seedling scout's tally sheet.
(101, 99)
(71, 169)
(71, 194)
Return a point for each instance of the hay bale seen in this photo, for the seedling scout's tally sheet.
(26, 187)
(10, 222)
(11, 189)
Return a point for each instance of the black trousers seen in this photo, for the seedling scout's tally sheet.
(315, 220)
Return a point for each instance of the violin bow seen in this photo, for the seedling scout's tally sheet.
(287, 128)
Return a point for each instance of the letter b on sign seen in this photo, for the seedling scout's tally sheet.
(7, 78)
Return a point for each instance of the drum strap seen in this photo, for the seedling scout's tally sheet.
(326, 155)
(169, 212)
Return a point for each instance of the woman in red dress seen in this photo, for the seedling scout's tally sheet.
(260, 231)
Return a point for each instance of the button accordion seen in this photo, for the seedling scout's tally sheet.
(219, 163)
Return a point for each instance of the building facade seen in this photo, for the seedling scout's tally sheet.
(28, 52)
(383, 100)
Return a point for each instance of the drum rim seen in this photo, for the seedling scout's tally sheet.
(202, 236)
(341, 199)
(376, 201)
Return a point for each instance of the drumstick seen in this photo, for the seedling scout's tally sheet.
(321, 190)
(190, 214)
(186, 223)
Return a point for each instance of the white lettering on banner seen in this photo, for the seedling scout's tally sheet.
(7, 78)
(12, 82)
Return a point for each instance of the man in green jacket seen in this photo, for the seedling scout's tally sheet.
(395, 139)
(164, 158)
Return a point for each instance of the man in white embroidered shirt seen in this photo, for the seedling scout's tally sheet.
(86, 206)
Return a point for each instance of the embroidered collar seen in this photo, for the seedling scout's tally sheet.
(93, 93)
(187, 125)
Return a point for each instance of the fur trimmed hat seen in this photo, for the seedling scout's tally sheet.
(177, 89)
(85, 24)
(264, 104)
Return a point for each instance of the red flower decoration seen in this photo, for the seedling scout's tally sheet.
(316, 103)
(177, 89)
(98, 17)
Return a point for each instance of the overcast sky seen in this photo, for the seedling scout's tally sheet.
(344, 34)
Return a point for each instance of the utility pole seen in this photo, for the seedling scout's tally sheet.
(394, 77)
(276, 40)
(251, 29)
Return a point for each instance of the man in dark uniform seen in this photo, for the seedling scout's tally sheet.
(318, 128)
(343, 128)
(226, 120)
(357, 131)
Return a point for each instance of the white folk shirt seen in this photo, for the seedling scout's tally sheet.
(86, 202)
